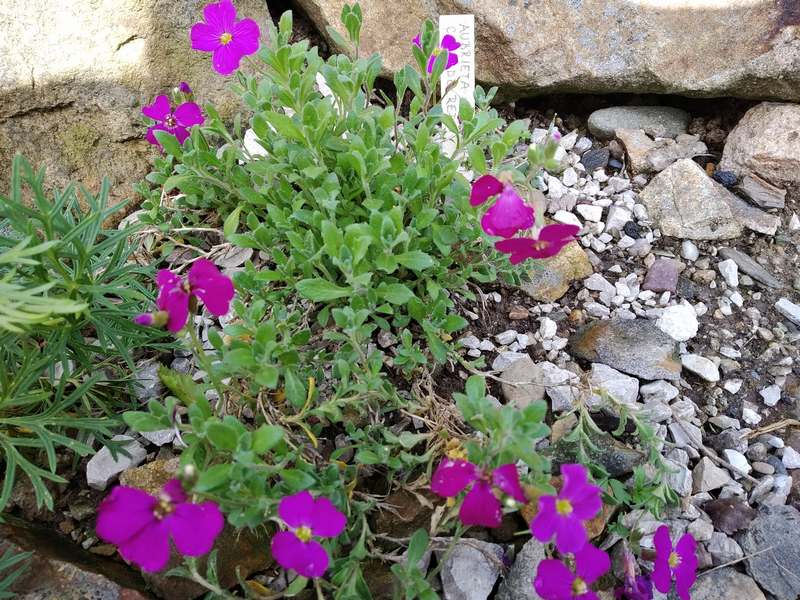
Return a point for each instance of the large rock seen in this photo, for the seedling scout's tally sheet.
(660, 121)
(604, 45)
(725, 584)
(518, 582)
(772, 547)
(685, 203)
(471, 569)
(766, 143)
(636, 347)
(75, 74)
(60, 569)
(551, 277)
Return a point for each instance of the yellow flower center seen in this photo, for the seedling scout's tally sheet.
(674, 560)
(163, 508)
(564, 508)
(540, 245)
(225, 38)
(579, 587)
(304, 533)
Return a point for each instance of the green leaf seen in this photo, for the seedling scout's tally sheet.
(231, 223)
(222, 436)
(169, 143)
(416, 260)
(284, 125)
(320, 290)
(295, 390)
(214, 477)
(266, 437)
(144, 421)
(181, 385)
(395, 293)
(454, 323)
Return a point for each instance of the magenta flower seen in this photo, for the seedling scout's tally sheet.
(227, 39)
(549, 242)
(177, 122)
(680, 563)
(508, 215)
(142, 525)
(448, 45)
(635, 588)
(184, 88)
(205, 283)
(563, 515)
(554, 581)
(480, 505)
(306, 517)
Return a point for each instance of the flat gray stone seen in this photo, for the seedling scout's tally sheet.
(620, 387)
(723, 549)
(685, 203)
(102, 468)
(707, 476)
(636, 347)
(772, 545)
(660, 121)
(530, 383)
(788, 309)
(517, 584)
(762, 193)
(700, 365)
(561, 386)
(750, 267)
(726, 584)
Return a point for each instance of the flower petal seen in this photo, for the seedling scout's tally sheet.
(416, 41)
(313, 561)
(506, 477)
(176, 303)
(662, 543)
(452, 60)
(149, 549)
(174, 489)
(570, 534)
(591, 563)
(221, 16)
(450, 43)
(543, 525)
(431, 62)
(151, 134)
(124, 513)
(297, 510)
(508, 215)
(225, 59)
(212, 287)
(520, 248)
(195, 527)
(181, 133)
(686, 571)
(188, 114)
(326, 519)
(452, 476)
(662, 575)
(559, 232)
(484, 188)
(286, 548)
(204, 37)
(159, 110)
(553, 580)
(481, 507)
(145, 319)
(246, 37)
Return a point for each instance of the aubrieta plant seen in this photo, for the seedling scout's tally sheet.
(365, 226)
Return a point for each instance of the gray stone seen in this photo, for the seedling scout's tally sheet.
(530, 383)
(766, 143)
(561, 386)
(506, 337)
(788, 309)
(636, 347)
(701, 529)
(685, 434)
(762, 193)
(550, 278)
(615, 457)
(689, 250)
(660, 391)
(707, 476)
(506, 359)
(597, 283)
(622, 388)
(679, 322)
(790, 458)
(771, 395)
(516, 585)
(699, 365)
(655, 411)
(102, 468)
(146, 383)
(729, 271)
(471, 570)
(161, 437)
(685, 203)
(738, 460)
(679, 478)
(594, 159)
(662, 276)
(726, 584)
(661, 121)
(773, 552)
(723, 549)
(750, 267)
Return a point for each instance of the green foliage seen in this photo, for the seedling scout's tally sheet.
(12, 566)
(66, 332)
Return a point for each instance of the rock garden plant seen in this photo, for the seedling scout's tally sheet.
(368, 218)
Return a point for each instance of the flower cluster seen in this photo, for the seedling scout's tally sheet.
(448, 45)
(509, 215)
(142, 525)
(480, 505)
(205, 283)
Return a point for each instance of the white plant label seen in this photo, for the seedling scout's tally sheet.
(461, 27)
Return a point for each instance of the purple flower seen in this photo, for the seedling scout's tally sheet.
(226, 38)
(554, 581)
(142, 525)
(205, 282)
(184, 88)
(480, 505)
(563, 515)
(176, 122)
(679, 563)
(306, 517)
(448, 45)
(635, 588)
(549, 242)
(508, 215)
